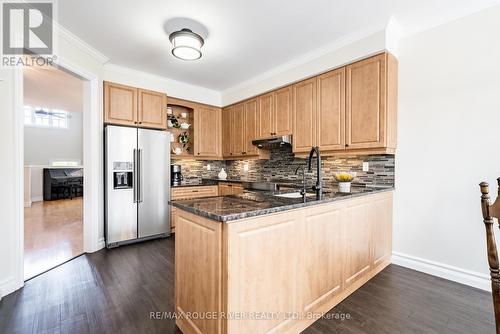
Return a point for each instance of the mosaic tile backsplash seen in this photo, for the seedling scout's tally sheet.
(282, 165)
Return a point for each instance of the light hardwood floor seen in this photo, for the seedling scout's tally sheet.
(53, 234)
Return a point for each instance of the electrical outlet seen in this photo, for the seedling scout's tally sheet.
(366, 166)
(245, 167)
(209, 167)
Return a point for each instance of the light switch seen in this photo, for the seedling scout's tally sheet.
(366, 166)
(245, 167)
(209, 167)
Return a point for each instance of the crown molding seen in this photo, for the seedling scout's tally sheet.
(79, 43)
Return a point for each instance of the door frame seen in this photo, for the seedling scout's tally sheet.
(92, 149)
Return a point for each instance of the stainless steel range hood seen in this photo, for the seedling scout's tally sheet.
(273, 142)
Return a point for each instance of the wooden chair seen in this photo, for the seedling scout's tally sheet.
(491, 211)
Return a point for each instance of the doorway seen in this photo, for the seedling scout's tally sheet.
(53, 168)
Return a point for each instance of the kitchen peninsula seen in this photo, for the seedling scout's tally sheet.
(259, 263)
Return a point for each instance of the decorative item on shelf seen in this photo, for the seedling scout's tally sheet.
(344, 179)
(170, 111)
(185, 126)
(184, 114)
(184, 138)
(177, 150)
(172, 122)
(222, 174)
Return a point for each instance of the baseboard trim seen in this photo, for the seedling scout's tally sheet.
(37, 198)
(27, 204)
(8, 286)
(101, 244)
(459, 275)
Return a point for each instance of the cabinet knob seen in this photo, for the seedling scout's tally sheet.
(198, 153)
(346, 145)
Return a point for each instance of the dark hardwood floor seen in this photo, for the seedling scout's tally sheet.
(115, 291)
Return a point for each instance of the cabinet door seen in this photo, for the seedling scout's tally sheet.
(358, 241)
(381, 220)
(304, 115)
(238, 129)
(227, 125)
(225, 189)
(250, 127)
(283, 111)
(266, 115)
(151, 109)
(207, 131)
(120, 104)
(331, 110)
(366, 103)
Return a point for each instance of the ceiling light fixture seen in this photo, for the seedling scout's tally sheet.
(186, 44)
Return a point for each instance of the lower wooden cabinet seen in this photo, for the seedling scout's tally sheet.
(188, 193)
(227, 189)
(296, 264)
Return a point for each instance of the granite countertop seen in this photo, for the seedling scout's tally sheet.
(257, 203)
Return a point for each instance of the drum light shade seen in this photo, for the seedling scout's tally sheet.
(186, 44)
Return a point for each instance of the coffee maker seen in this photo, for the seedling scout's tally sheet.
(175, 175)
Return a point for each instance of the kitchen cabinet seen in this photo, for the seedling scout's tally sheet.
(371, 102)
(250, 129)
(321, 255)
(207, 132)
(282, 120)
(330, 118)
(227, 125)
(125, 105)
(227, 189)
(189, 193)
(120, 104)
(275, 113)
(151, 109)
(238, 129)
(266, 115)
(304, 115)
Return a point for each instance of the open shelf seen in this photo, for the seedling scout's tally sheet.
(177, 111)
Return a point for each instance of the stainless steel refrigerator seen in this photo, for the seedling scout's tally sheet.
(137, 184)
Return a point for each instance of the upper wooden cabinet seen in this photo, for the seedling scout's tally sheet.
(238, 129)
(151, 109)
(207, 132)
(125, 105)
(351, 109)
(250, 129)
(227, 127)
(330, 119)
(120, 104)
(282, 119)
(275, 113)
(266, 115)
(304, 115)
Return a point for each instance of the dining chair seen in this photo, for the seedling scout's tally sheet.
(491, 212)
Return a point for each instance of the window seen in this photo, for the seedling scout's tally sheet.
(65, 163)
(45, 117)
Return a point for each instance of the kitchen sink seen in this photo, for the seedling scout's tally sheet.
(293, 195)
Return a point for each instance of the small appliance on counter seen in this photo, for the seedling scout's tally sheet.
(176, 175)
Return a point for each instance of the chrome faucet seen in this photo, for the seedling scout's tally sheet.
(318, 187)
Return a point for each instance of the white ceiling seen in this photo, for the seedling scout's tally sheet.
(52, 88)
(243, 38)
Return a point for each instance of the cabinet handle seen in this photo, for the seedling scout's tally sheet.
(194, 191)
(346, 145)
(198, 153)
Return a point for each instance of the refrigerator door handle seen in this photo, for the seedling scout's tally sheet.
(139, 176)
(134, 176)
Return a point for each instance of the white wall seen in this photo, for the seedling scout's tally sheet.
(126, 76)
(43, 144)
(342, 52)
(448, 141)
